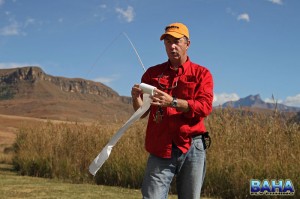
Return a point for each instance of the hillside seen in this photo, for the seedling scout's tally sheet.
(30, 92)
(255, 102)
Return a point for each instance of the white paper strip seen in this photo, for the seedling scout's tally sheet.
(104, 154)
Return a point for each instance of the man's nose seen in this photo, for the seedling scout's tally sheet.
(173, 45)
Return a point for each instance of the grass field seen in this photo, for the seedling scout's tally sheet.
(15, 186)
(245, 145)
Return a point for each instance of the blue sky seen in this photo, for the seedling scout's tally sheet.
(250, 46)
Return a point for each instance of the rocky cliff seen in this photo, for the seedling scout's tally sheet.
(31, 85)
(14, 78)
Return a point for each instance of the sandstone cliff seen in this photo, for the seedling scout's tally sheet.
(29, 91)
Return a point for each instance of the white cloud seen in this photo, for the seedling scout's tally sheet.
(220, 99)
(292, 100)
(29, 21)
(107, 80)
(289, 101)
(279, 2)
(244, 17)
(273, 101)
(2, 2)
(128, 14)
(101, 12)
(230, 11)
(12, 29)
(15, 65)
(103, 6)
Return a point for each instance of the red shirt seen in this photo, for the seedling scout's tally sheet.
(194, 84)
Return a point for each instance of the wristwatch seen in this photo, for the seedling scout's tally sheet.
(174, 102)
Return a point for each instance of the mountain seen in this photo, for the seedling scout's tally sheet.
(29, 91)
(255, 101)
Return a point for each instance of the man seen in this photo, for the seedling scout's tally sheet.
(175, 130)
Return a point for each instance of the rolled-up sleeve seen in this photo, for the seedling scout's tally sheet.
(201, 103)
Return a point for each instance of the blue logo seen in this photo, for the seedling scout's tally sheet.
(272, 187)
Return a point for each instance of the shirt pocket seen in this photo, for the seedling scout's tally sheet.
(186, 87)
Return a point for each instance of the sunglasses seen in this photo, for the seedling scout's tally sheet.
(166, 88)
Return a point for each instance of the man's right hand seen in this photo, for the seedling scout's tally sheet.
(136, 92)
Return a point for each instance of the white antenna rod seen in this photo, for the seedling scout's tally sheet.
(135, 50)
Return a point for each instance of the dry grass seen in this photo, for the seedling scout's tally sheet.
(9, 127)
(248, 146)
(245, 145)
(8, 131)
(66, 150)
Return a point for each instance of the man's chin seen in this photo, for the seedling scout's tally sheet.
(174, 56)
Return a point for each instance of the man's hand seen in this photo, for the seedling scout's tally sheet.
(136, 91)
(136, 96)
(161, 98)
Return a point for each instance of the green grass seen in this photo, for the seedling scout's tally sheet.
(15, 186)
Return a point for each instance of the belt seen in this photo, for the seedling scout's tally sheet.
(197, 136)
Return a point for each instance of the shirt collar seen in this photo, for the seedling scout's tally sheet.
(182, 68)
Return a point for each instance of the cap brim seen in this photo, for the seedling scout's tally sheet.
(174, 34)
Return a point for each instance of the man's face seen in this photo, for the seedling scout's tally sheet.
(176, 48)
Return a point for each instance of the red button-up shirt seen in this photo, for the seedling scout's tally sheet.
(190, 82)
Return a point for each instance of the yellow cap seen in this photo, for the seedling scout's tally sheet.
(176, 30)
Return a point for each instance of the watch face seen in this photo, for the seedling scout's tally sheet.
(174, 102)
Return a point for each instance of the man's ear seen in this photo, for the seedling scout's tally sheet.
(188, 44)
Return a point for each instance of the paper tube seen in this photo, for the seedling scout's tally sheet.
(147, 88)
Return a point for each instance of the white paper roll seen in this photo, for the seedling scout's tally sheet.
(147, 88)
(104, 154)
